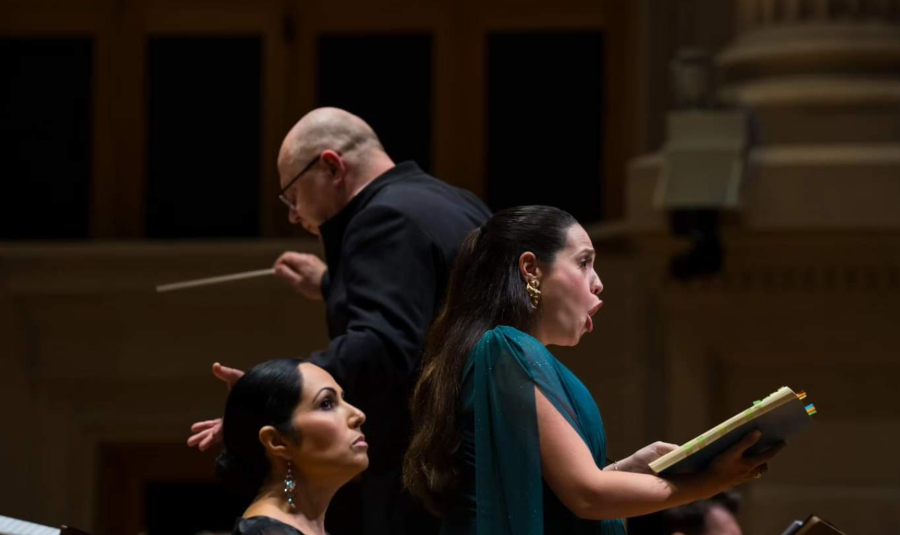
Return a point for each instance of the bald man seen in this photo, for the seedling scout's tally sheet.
(390, 233)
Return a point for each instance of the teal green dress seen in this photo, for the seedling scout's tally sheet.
(503, 491)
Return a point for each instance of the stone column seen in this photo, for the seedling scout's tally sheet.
(822, 78)
(808, 290)
(825, 53)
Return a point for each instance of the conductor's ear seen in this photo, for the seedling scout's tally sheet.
(336, 165)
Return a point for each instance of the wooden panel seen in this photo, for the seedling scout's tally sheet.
(290, 30)
(127, 469)
(796, 312)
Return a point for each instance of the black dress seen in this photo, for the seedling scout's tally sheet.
(263, 525)
(389, 254)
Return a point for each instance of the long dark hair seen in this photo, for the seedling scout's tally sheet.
(486, 289)
(265, 395)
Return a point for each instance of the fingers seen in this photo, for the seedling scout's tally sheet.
(196, 439)
(205, 434)
(745, 443)
(226, 374)
(761, 462)
(299, 262)
(287, 258)
(302, 271)
(734, 467)
(278, 261)
(769, 454)
(201, 426)
(288, 266)
(206, 438)
(293, 261)
(758, 471)
(287, 274)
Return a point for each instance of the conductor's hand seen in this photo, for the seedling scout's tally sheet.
(734, 465)
(639, 461)
(303, 272)
(209, 433)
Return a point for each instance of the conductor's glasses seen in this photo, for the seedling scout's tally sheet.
(281, 194)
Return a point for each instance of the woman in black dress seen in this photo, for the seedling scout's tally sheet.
(290, 442)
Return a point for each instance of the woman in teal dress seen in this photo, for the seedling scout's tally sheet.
(507, 440)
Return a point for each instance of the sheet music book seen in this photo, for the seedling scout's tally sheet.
(812, 526)
(778, 416)
(792, 529)
(12, 526)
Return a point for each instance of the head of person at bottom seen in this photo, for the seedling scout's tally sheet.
(529, 267)
(715, 516)
(291, 440)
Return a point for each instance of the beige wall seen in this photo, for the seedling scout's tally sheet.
(808, 294)
(664, 27)
(92, 358)
(98, 359)
(814, 312)
(459, 28)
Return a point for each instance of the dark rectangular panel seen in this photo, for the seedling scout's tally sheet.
(204, 117)
(190, 507)
(386, 80)
(45, 138)
(545, 121)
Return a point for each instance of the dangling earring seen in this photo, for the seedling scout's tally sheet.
(289, 486)
(533, 293)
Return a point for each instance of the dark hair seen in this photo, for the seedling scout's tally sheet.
(689, 519)
(265, 395)
(486, 289)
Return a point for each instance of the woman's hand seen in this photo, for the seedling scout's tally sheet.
(639, 461)
(733, 466)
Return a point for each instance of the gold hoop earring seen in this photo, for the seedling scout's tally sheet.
(533, 293)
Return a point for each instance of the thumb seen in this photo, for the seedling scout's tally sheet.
(663, 448)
